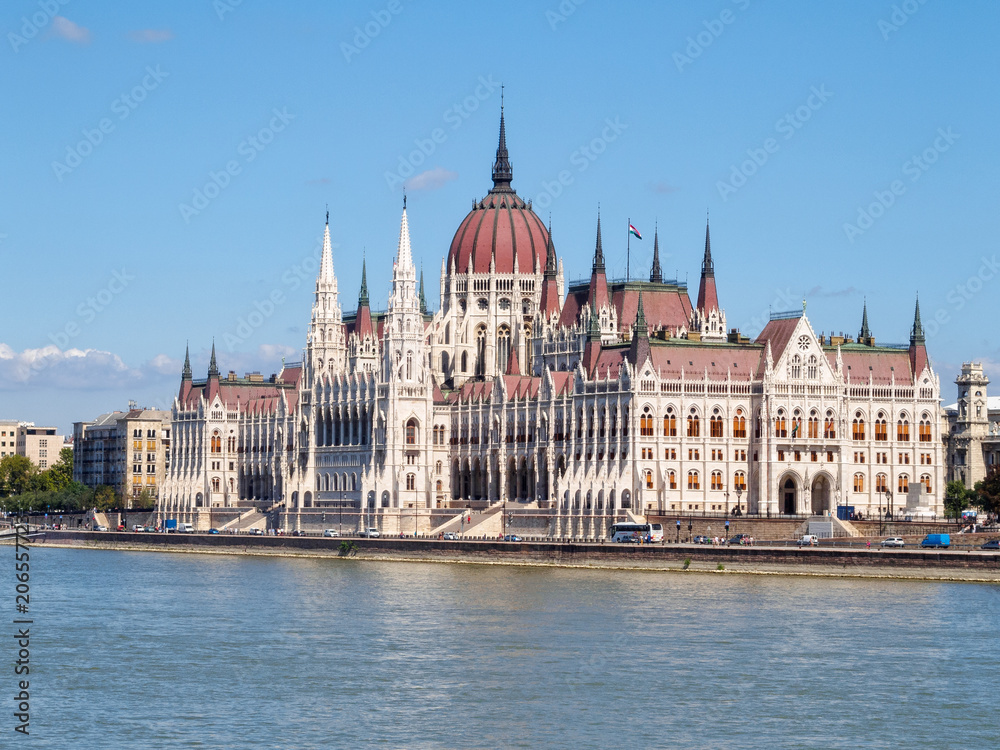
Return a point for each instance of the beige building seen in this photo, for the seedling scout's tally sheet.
(972, 428)
(129, 451)
(8, 437)
(41, 445)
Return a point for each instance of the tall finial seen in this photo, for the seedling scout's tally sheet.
(917, 332)
(186, 373)
(641, 328)
(865, 332)
(707, 265)
(404, 198)
(502, 172)
(328, 214)
(363, 297)
(550, 253)
(598, 249)
(423, 299)
(656, 274)
(213, 367)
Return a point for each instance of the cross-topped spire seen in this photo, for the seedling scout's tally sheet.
(326, 260)
(599, 250)
(186, 372)
(865, 331)
(917, 332)
(707, 265)
(213, 366)
(656, 274)
(363, 297)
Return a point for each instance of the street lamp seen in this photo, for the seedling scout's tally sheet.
(739, 493)
(678, 531)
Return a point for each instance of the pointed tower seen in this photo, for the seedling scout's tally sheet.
(865, 335)
(639, 349)
(403, 355)
(423, 299)
(503, 174)
(592, 349)
(325, 345)
(708, 320)
(598, 279)
(549, 304)
(213, 366)
(656, 273)
(362, 346)
(918, 348)
(186, 372)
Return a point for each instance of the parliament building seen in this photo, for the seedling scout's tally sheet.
(575, 405)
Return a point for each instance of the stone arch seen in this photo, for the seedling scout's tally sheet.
(788, 494)
(821, 494)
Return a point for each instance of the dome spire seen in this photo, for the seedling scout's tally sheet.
(502, 173)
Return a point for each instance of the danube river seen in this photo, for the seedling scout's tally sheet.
(155, 650)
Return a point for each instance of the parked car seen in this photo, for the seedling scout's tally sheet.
(991, 544)
(331, 532)
(213, 531)
(371, 532)
(137, 527)
(100, 527)
(512, 538)
(450, 536)
(893, 541)
(702, 540)
(738, 539)
(936, 540)
(256, 531)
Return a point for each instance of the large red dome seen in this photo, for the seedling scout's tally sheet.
(500, 226)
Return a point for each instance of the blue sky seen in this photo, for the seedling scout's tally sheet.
(846, 151)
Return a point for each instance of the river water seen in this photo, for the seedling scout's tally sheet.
(158, 650)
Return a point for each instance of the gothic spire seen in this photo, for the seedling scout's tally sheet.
(550, 254)
(708, 296)
(599, 250)
(865, 332)
(423, 299)
(326, 261)
(656, 274)
(917, 332)
(502, 172)
(213, 367)
(404, 255)
(641, 328)
(186, 372)
(707, 265)
(363, 297)
(594, 332)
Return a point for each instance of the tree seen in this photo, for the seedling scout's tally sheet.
(956, 498)
(105, 498)
(16, 475)
(988, 492)
(61, 472)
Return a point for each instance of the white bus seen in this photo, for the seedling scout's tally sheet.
(633, 532)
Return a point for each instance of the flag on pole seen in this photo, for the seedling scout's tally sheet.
(633, 230)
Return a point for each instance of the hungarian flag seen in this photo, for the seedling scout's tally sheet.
(633, 230)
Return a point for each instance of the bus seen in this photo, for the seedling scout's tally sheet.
(633, 532)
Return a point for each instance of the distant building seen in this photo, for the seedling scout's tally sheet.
(41, 445)
(972, 430)
(129, 451)
(8, 437)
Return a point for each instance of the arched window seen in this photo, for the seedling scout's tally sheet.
(409, 365)
(859, 482)
(411, 432)
(812, 369)
(503, 347)
(858, 427)
(480, 352)
(715, 426)
(444, 362)
(903, 430)
(796, 367)
(829, 426)
(813, 426)
(672, 479)
(925, 480)
(925, 429)
(465, 362)
(717, 480)
(411, 481)
(670, 424)
(646, 423)
(780, 426)
(649, 479)
(438, 486)
(881, 430)
(740, 481)
(216, 443)
(447, 334)
(215, 484)
(693, 425)
(693, 481)
(739, 425)
(903, 485)
(437, 468)
(797, 425)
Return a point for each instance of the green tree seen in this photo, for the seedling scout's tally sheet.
(105, 498)
(61, 472)
(956, 498)
(988, 492)
(16, 475)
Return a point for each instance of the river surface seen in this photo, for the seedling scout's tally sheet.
(159, 650)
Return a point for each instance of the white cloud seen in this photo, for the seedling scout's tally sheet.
(63, 28)
(432, 179)
(151, 36)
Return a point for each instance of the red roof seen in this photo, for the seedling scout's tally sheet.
(666, 306)
(881, 364)
(497, 226)
(254, 397)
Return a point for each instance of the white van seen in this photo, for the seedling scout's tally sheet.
(185, 528)
(331, 532)
(809, 540)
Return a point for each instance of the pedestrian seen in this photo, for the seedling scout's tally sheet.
(869, 545)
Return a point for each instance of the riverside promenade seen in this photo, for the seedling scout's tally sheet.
(824, 560)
